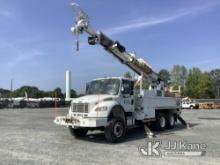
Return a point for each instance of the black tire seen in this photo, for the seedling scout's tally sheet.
(191, 107)
(160, 122)
(170, 121)
(78, 132)
(115, 130)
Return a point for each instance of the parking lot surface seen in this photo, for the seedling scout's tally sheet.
(29, 136)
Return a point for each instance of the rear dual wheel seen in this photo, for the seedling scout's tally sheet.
(170, 119)
(161, 122)
(165, 121)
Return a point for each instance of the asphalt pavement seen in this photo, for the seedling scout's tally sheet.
(29, 136)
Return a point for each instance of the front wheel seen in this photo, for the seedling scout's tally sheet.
(115, 130)
(78, 132)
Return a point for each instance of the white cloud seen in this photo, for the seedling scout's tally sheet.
(144, 22)
(17, 55)
(8, 14)
(4, 13)
(25, 57)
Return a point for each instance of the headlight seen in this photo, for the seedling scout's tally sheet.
(101, 109)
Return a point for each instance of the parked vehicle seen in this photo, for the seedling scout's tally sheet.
(187, 103)
(16, 104)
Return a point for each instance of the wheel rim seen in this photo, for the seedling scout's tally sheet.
(172, 120)
(162, 122)
(118, 129)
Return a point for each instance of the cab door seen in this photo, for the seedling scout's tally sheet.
(127, 95)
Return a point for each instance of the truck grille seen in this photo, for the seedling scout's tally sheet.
(80, 107)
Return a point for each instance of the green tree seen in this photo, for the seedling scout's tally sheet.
(127, 75)
(198, 84)
(164, 75)
(215, 81)
(73, 93)
(58, 93)
(179, 75)
(4, 93)
(194, 78)
(205, 86)
(32, 92)
(48, 94)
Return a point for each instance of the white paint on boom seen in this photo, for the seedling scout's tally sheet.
(68, 84)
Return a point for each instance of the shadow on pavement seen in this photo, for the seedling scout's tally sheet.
(134, 134)
(209, 118)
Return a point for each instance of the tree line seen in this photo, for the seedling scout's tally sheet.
(34, 92)
(193, 82)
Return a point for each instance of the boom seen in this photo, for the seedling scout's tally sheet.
(138, 65)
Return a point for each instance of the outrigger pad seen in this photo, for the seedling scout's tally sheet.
(149, 134)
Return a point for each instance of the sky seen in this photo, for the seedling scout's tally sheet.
(37, 47)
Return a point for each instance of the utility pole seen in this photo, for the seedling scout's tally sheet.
(11, 88)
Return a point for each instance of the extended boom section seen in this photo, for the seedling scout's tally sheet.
(138, 65)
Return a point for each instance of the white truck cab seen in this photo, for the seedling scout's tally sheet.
(102, 95)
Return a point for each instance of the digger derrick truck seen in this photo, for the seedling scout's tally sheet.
(114, 104)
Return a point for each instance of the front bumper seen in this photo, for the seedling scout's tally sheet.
(80, 122)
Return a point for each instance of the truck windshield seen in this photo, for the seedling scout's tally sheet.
(104, 86)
